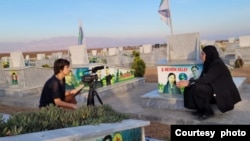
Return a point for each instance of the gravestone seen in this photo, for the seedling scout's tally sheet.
(94, 52)
(59, 55)
(40, 56)
(189, 42)
(27, 57)
(147, 55)
(141, 49)
(112, 51)
(16, 59)
(27, 60)
(114, 57)
(207, 42)
(230, 50)
(147, 48)
(243, 52)
(78, 55)
(120, 48)
(182, 63)
(244, 41)
(231, 40)
(104, 51)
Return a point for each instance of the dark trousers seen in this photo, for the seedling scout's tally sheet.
(198, 97)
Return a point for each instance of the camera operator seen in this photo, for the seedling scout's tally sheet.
(54, 91)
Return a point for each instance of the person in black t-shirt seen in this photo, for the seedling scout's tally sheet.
(54, 91)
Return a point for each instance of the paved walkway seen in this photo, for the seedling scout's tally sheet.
(130, 102)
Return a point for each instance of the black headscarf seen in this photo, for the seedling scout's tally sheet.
(211, 55)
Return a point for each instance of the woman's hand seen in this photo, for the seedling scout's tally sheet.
(182, 83)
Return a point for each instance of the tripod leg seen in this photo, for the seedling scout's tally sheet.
(91, 100)
(98, 97)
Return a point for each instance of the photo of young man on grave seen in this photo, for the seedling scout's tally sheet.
(195, 72)
(108, 76)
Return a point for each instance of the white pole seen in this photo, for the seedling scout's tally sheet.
(170, 19)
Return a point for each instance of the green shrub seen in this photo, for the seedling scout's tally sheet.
(45, 66)
(53, 117)
(138, 65)
(6, 64)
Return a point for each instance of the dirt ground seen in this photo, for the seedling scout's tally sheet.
(155, 129)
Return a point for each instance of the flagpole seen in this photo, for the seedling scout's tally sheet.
(171, 33)
(170, 19)
(165, 14)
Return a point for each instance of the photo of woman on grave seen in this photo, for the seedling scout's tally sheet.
(170, 86)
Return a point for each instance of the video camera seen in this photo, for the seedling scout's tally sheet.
(89, 78)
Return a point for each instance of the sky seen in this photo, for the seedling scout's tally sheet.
(34, 20)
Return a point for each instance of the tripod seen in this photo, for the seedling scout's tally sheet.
(92, 94)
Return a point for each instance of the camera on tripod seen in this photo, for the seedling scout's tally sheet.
(89, 78)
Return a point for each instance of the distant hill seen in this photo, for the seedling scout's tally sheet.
(62, 43)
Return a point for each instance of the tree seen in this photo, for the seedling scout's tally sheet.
(138, 65)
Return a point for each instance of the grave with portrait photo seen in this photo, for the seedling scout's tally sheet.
(178, 65)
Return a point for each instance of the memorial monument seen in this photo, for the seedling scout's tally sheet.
(182, 63)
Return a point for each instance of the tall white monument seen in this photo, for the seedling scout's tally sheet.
(184, 47)
(78, 55)
(16, 59)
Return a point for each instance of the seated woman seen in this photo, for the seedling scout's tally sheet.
(215, 85)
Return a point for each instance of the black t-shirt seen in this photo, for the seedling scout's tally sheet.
(52, 89)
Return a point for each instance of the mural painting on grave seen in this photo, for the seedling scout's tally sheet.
(134, 134)
(170, 74)
(14, 77)
(106, 76)
(74, 79)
